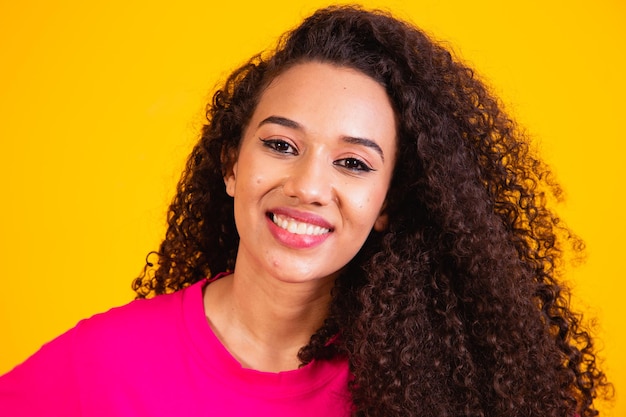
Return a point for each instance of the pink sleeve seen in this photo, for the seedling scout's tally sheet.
(44, 385)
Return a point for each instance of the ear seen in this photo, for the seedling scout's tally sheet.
(381, 223)
(230, 179)
(229, 162)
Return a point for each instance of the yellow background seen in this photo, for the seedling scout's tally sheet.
(100, 102)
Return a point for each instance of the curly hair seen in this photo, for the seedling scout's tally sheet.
(457, 309)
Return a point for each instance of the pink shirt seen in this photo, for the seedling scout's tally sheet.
(159, 357)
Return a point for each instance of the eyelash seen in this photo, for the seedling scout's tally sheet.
(274, 145)
(283, 147)
(356, 165)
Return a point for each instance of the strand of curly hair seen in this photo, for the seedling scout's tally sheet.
(458, 308)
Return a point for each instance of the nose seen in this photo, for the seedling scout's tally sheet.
(310, 180)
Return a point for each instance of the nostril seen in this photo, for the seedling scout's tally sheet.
(308, 185)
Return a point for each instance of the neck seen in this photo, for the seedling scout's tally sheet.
(263, 321)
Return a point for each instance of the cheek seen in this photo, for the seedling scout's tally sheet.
(250, 182)
(366, 203)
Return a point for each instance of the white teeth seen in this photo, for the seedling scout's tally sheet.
(298, 228)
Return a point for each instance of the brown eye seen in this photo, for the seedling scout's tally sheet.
(279, 146)
(353, 164)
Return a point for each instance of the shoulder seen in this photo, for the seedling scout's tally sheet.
(142, 343)
(112, 361)
(140, 321)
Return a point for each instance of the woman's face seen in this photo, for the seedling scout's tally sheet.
(312, 172)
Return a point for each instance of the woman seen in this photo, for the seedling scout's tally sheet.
(377, 236)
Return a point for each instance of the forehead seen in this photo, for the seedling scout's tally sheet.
(329, 100)
(319, 78)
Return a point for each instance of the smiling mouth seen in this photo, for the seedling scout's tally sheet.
(298, 228)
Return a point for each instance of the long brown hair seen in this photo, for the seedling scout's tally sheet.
(458, 308)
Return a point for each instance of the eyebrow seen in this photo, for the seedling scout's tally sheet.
(365, 142)
(283, 121)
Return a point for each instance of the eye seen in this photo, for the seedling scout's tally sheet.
(353, 164)
(279, 146)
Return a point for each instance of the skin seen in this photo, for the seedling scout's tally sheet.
(317, 156)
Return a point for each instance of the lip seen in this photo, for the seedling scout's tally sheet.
(304, 217)
(293, 240)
